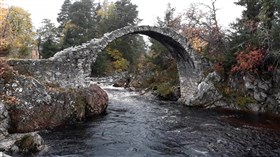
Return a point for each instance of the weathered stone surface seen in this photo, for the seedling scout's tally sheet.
(260, 96)
(257, 96)
(253, 107)
(259, 87)
(64, 108)
(33, 106)
(263, 85)
(97, 100)
(207, 94)
(8, 145)
(120, 83)
(137, 84)
(4, 155)
(4, 121)
(30, 144)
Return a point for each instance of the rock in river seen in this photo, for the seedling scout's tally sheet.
(97, 100)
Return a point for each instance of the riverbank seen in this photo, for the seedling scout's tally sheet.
(29, 105)
(248, 93)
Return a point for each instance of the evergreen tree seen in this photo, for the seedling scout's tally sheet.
(169, 21)
(256, 35)
(47, 39)
(117, 15)
(80, 27)
(63, 15)
(160, 57)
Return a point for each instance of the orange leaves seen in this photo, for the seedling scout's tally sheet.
(249, 61)
(16, 32)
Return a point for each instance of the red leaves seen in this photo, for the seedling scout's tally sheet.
(249, 61)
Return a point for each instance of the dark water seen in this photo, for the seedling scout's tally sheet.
(138, 127)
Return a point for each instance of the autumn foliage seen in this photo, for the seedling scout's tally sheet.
(16, 32)
(249, 61)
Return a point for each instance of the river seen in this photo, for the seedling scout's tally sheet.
(135, 126)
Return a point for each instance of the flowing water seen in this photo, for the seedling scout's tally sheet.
(135, 126)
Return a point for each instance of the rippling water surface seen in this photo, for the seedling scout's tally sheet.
(136, 127)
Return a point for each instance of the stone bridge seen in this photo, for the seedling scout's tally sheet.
(71, 66)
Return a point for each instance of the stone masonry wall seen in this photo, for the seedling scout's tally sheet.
(71, 66)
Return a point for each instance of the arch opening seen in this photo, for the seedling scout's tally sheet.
(176, 45)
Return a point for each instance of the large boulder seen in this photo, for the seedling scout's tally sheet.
(33, 105)
(207, 94)
(97, 100)
(65, 107)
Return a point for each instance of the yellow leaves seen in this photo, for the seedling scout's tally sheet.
(196, 41)
(3, 13)
(114, 53)
(16, 32)
(119, 64)
(198, 44)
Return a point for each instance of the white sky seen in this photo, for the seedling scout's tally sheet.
(148, 9)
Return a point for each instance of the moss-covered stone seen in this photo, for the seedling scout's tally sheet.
(241, 101)
(30, 144)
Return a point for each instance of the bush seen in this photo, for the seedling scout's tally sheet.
(249, 61)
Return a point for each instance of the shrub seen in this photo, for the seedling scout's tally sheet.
(249, 61)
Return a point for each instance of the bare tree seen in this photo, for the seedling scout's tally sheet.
(202, 28)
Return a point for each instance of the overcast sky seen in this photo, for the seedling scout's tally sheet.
(148, 9)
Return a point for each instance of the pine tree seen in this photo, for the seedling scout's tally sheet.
(47, 39)
(81, 26)
(63, 15)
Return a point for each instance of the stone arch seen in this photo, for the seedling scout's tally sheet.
(187, 62)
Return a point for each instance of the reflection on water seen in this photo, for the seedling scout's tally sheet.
(135, 126)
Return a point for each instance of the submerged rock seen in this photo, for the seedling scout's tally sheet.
(120, 83)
